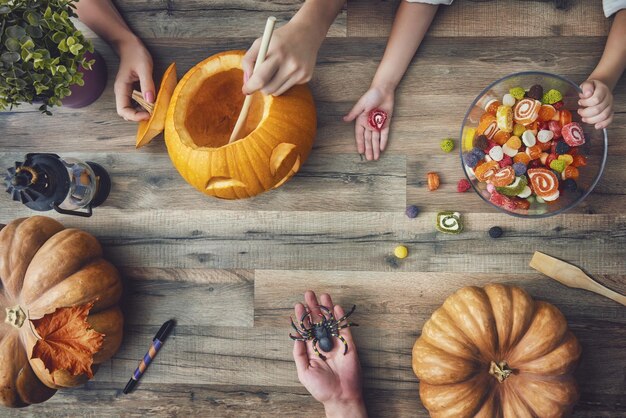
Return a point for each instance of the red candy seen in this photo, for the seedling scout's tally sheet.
(558, 105)
(505, 161)
(579, 161)
(377, 118)
(551, 157)
(555, 127)
(573, 134)
(463, 186)
(502, 201)
(565, 117)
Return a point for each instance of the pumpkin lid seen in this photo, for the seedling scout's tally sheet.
(148, 129)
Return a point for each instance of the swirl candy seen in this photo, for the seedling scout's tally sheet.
(449, 222)
(526, 111)
(544, 183)
(503, 177)
(504, 116)
(488, 126)
(486, 170)
(573, 134)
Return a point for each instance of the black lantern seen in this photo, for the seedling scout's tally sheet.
(69, 186)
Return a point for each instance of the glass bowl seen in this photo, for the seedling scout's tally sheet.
(594, 149)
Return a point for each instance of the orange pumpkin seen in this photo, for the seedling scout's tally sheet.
(494, 352)
(276, 140)
(44, 266)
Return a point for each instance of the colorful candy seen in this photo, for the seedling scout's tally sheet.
(503, 177)
(558, 165)
(544, 183)
(480, 142)
(535, 92)
(470, 159)
(501, 137)
(565, 117)
(546, 113)
(495, 232)
(433, 181)
(567, 158)
(561, 147)
(545, 136)
(412, 211)
(519, 168)
(515, 188)
(485, 171)
(573, 134)
(526, 111)
(508, 100)
(528, 138)
(521, 158)
(518, 129)
(504, 117)
(505, 161)
(552, 96)
(401, 252)
(570, 172)
(463, 186)
(488, 127)
(377, 118)
(449, 222)
(492, 106)
(496, 153)
(447, 145)
(579, 161)
(517, 92)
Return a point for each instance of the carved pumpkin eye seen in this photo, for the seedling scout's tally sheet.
(221, 183)
(279, 155)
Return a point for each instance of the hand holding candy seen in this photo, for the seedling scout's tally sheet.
(596, 104)
(371, 140)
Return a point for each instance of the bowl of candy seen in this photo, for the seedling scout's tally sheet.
(524, 148)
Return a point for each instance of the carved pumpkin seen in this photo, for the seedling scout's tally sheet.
(494, 352)
(44, 266)
(276, 140)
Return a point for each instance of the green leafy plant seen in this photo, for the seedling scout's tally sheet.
(41, 52)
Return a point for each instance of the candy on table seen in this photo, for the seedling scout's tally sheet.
(552, 96)
(528, 138)
(522, 158)
(519, 168)
(501, 137)
(579, 161)
(526, 111)
(569, 185)
(535, 92)
(504, 117)
(534, 152)
(567, 158)
(449, 222)
(492, 106)
(505, 161)
(433, 181)
(515, 188)
(468, 137)
(544, 183)
(545, 135)
(565, 117)
(546, 113)
(558, 165)
(496, 153)
(555, 127)
(470, 159)
(503, 177)
(495, 232)
(488, 127)
(570, 172)
(463, 186)
(573, 134)
(412, 211)
(377, 118)
(485, 171)
(480, 142)
(508, 100)
(401, 251)
(447, 145)
(535, 163)
(561, 147)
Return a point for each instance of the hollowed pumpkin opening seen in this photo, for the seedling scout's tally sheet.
(213, 110)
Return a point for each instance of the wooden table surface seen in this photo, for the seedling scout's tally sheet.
(230, 272)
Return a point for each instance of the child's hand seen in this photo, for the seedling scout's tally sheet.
(368, 140)
(135, 65)
(336, 381)
(596, 104)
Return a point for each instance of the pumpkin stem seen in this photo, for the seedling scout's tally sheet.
(15, 316)
(500, 370)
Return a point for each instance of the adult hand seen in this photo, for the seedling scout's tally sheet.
(135, 66)
(336, 381)
(369, 141)
(596, 104)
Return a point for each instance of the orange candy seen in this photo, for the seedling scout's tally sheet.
(579, 161)
(521, 157)
(546, 112)
(492, 107)
(565, 117)
(514, 142)
(487, 126)
(570, 172)
(545, 146)
(534, 152)
(534, 127)
(485, 171)
(501, 137)
(503, 177)
(483, 117)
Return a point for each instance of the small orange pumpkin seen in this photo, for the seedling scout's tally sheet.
(44, 266)
(276, 140)
(494, 352)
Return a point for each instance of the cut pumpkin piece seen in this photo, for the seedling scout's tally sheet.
(150, 128)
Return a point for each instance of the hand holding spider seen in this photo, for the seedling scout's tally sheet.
(336, 380)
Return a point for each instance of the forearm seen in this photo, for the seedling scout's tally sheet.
(409, 27)
(103, 18)
(318, 14)
(344, 409)
(613, 61)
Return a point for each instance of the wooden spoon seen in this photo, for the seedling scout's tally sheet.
(571, 276)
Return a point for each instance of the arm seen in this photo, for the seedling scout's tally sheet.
(596, 100)
(135, 60)
(293, 50)
(411, 23)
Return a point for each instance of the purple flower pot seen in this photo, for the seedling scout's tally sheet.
(95, 82)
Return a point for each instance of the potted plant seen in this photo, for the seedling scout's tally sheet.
(44, 58)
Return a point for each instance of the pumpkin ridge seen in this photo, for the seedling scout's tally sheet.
(251, 164)
(232, 166)
(258, 154)
(466, 343)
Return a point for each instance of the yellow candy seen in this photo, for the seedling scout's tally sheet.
(518, 129)
(514, 142)
(468, 138)
(401, 251)
(567, 158)
(504, 117)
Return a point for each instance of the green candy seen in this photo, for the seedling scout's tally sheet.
(447, 145)
(449, 222)
(514, 188)
(517, 92)
(558, 165)
(552, 96)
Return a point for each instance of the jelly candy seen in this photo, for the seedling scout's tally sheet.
(463, 186)
(526, 192)
(517, 92)
(570, 172)
(534, 152)
(521, 158)
(377, 118)
(521, 204)
(492, 106)
(565, 117)
(480, 142)
(470, 159)
(551, 157)
(529, 139)
(579, 161)
(561, 147)
(485, 171)
(504, 116)
(515, 188)
(534, 163)
(508, 100)
(545, 184)
(412, 211)
(573, 134)
(508, 151)
(558, 165)
(488, 127)
(496, 153)
(558, 105)
(447, 145)
(401, 252)
(519, 168)
(546, 113)
(501, 137)
(544, 135)
(514, 142)
(433, 181)
(518, 129)
(506, 160)
(449, 222)
(468, 137)
(478, 153)
(526, 111)
(545, 146)
(555, 127)
(533, 127)
(502, 201)
(567, 158)
(552, 96)
(503, 177)
(543, 157)
(535, 92)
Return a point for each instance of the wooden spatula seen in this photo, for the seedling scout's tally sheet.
(571, 276)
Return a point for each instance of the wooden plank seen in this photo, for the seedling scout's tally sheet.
(152, 296)
(143, 181)
(487, 18)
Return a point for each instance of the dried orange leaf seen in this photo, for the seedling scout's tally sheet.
(67, 340)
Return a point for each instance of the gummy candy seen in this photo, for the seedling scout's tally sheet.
(526, 192)
(518, 129)
(468, 137)
(502, 201)
(492, 106)
(412, 211)
(515, 188)
(377, 118)
(544, 136)
(526, 111)
(561, 147)
(449, 222)
(504, 116)
(546, 113)
(508, 151)
(517, 92)
(496, 153)
(535, 92)
(573, 134)
(501, 137)
(528, 138)
(565, 117)
(545, 146)
(545, 184)
(533, 127)
(567, 158)
(503, 177)
(488, 127)
(543, 157)
(558, 105)
(480, 142)
(521, 204)
(485, 171)
(570, 172)
(579, 161)
(463, 186)
(401, 252)
(519, 168)
(495, 232)
(555, 127)
(534, 152)
(491, 188)
(558, 165)
(552, 96)
(470, 159)
(521, 158)
(506, 160)
(550, 158)
(478, 153)
(514, 142)
(447, 145)
(508, 100)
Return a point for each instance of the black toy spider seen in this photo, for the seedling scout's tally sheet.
(323, 331)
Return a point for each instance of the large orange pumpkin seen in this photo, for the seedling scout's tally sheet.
(44, 266)
(275, 142)
(494, 352)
